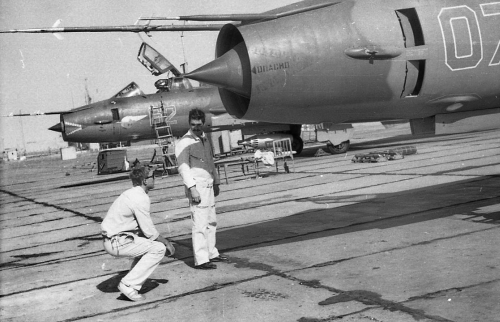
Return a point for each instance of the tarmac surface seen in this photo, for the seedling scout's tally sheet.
(415, 239)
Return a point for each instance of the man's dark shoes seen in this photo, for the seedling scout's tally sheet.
(207, 265)
(220, 258)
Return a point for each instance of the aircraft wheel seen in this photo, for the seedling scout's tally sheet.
(337, 149)
(297, 145)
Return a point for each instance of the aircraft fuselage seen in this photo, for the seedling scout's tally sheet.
(359, 61)
(130, 118)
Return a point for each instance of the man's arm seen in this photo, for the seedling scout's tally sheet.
(215, 174)
(214, 171)
(182, 154)
(146, 224)
(141, 209)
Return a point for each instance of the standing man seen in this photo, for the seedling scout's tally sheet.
(128, 231)
(201, 181)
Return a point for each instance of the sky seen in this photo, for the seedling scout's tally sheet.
(38, 72)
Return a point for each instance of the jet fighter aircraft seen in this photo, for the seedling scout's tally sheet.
(331, 63)
(131, 115)
(140, 116)
(436, 63)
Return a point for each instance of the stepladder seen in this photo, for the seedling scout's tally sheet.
(161, 120)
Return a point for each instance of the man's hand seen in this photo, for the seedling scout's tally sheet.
(216, 190)
(167, 244)
(195, 195)
(170, 249)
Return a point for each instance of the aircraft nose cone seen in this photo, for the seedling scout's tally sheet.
(56, 128)
(230, 71)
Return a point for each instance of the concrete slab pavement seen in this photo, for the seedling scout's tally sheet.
(333, 241)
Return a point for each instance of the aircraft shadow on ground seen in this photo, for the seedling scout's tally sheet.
(407, 139)
(384, 143)
(381, 211)
(88, 183)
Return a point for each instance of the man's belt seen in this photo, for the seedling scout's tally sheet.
(137, 232)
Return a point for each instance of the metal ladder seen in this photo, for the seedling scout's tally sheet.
(160, 119)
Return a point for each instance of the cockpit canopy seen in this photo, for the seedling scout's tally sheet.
(155, 62)
(130, 90)
(174, 84)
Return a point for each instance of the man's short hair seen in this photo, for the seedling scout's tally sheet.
(197, 114)
(138, 175)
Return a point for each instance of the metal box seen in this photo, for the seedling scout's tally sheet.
(110, 161)
(68, 153)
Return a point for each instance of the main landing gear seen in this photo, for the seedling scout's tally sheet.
(338, 149)
(297, 144)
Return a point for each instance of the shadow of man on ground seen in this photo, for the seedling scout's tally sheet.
(111, 285)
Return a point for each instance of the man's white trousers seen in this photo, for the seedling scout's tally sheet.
(204, 223)
(147, 256)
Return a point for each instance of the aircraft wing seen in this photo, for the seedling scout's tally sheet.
(289, 10)
(270, 15)
(127, 28)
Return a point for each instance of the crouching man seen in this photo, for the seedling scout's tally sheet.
(128, 231)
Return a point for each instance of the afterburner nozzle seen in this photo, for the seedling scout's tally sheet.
(230, 71)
